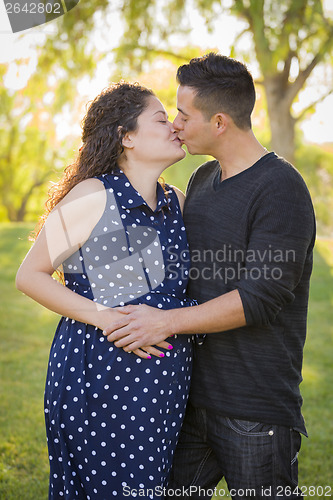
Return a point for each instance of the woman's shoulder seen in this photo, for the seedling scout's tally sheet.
(87, 187)
(85, 201)
(72, 220)
(179, 193)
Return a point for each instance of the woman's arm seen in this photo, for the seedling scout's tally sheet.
(67, 227)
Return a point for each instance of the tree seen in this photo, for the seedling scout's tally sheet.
(30, 152)
(290, 39)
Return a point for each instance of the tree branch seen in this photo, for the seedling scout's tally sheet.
(239, 36)
(300, 41)
(287, 64)
(308, 108)
(20, 212)
(295, 87)
(295, 12)
(153, 50)
(256, 20)
(239, 6)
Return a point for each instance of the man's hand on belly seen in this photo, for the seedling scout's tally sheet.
(140, 326)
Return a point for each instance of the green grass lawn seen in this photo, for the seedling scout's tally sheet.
(26, 331)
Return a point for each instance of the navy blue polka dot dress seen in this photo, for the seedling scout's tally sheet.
(112, 418)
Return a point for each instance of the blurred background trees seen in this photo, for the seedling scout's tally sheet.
(288, 42)
(289, 39)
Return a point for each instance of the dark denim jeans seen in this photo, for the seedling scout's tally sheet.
(258, 461)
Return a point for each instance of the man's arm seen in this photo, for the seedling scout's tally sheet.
(281, 240)
(145, 325)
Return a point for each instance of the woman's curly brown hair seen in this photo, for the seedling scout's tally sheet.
(112, 114)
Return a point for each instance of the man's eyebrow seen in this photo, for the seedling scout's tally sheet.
(182, 112)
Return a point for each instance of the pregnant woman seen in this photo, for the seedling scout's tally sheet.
(112, 417)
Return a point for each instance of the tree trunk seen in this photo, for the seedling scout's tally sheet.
(282, 124)
(11, 212)
(22, 211)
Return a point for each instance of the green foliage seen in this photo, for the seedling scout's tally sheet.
(318, 373)
(286, 29)
(67, 48)
(29, 156)
(26, 331)
(284, 34)
(289, 39)
(179, 173)
(316, 166)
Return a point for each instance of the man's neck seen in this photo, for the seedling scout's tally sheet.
(238, 152)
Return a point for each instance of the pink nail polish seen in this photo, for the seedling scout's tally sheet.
(170, 346)
(172, 335)
(162, 355)
(148, 357)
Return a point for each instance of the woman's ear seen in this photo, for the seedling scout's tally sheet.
(127, 139)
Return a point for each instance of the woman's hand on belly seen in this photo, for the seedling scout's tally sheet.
(147, 352)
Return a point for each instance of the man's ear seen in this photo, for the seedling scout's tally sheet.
(220, 122)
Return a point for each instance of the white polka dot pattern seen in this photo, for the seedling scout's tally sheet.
(113, 419)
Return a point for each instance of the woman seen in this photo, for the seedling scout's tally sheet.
(112, 417)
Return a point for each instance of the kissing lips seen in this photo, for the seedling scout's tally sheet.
(177, 140)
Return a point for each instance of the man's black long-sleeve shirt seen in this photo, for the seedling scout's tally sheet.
(253, 232)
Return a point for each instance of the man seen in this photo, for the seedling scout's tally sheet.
(251, 231)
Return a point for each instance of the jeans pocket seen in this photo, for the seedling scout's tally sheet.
(247, 425)
(248, 428)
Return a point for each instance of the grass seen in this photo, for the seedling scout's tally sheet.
(26, 332)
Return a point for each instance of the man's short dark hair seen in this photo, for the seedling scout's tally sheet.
(222, 85)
